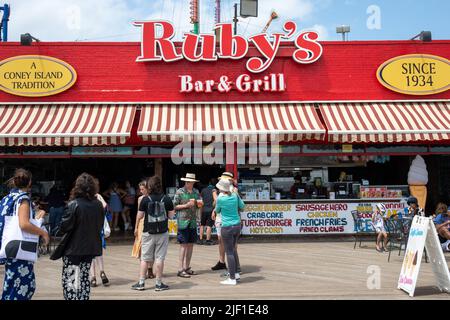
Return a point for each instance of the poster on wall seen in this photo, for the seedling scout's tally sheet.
(306, 218)
(310, 218)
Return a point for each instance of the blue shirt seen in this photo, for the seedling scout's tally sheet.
(228, 206)
(441, 218)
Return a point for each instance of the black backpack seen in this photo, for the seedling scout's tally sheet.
(156, 220)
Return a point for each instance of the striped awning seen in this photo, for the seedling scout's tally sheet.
(65, 125)
(230, 122)
(387, 122)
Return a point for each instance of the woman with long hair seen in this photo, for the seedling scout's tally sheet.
(81, 225)
(98, 261)
(139, 229)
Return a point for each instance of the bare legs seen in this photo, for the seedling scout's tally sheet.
(185, 256)
(379, 238)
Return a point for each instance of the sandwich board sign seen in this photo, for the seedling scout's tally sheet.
(423, 235)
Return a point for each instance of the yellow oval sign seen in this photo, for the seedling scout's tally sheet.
(35, 76)
(416, 74)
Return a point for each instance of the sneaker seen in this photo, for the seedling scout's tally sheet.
(161, 287)
(116, 229)
(127, 226)
(138, 286)
(229, 281)
(237, 276)
(219, 266)
(209, 242)
(200, 242)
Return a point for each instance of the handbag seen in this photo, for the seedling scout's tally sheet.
(18, 244)
(106, 229)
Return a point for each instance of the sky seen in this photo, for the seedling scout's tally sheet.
(112, 20)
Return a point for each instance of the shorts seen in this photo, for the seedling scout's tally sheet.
(154, 246)
(188, 235)
(379, 228)
(206, 219)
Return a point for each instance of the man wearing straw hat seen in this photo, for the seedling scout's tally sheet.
(186, 202)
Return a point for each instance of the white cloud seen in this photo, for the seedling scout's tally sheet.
(52, 20)
(321, 30)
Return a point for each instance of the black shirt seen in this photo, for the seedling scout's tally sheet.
(208, 199)
(168, 204)
(55, 199)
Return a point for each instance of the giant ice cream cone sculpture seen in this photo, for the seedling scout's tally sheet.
(418, 179)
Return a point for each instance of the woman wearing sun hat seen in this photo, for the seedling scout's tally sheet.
(228, 205)
(220, 265)
(185, 202)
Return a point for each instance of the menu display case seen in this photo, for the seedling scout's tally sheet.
(383, 192)
(254, 190)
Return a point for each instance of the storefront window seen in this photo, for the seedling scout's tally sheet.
(398, 149)
(157, 150)
(440, 149)
(6, 151)
(286, 150)
(345, 148)
(55, 151)
(102, 151)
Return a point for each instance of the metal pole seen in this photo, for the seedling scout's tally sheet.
(5, 20)
(217, 11)
(235, 20)
(197, 23)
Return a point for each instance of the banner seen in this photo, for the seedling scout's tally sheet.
(279, 218)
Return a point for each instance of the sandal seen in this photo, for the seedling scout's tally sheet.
(93, 282)
(190, 271)
(183, 274)
(105, 280)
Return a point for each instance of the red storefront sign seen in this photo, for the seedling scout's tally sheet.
(230, 46)
(206, 47)
(108, 73)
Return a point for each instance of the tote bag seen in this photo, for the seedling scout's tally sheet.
(106, 228)
(17, 244)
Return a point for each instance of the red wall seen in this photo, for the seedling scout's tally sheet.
(108, 72)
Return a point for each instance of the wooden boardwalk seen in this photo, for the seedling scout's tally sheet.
(271, 270)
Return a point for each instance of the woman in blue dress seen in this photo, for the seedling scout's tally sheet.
(115, 195)
(20, 283)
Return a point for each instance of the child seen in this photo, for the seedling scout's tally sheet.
(378, 223)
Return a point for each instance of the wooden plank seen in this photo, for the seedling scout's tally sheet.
(285, 270)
